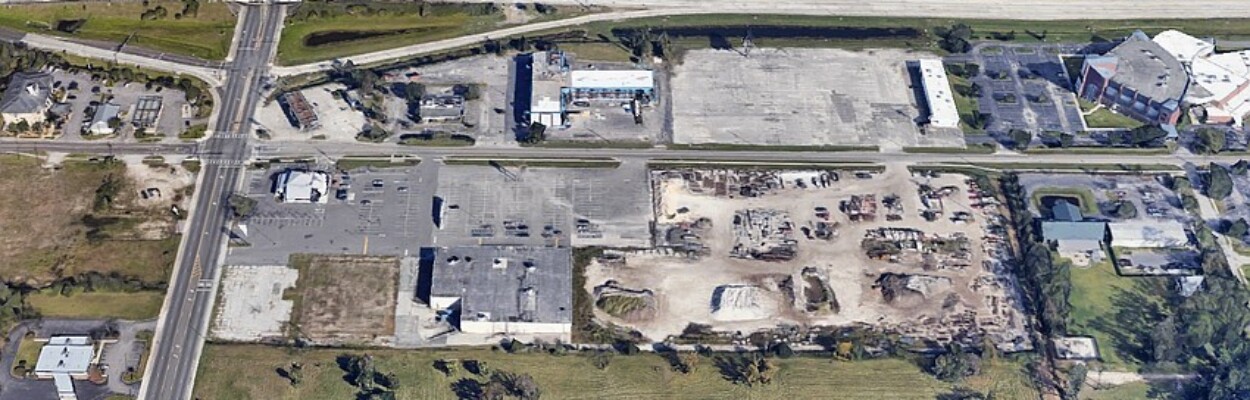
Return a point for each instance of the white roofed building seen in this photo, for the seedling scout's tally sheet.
(65, 359)
(298, 186)
(937, 94)
(1220, 82)
(1152, 234)
(621, 85)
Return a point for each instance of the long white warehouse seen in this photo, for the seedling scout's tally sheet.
(937, 94)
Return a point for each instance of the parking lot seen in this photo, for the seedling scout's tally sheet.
(391, 217)
(1152, 200)
(174, 116)
(790, 97)
(1025, 87)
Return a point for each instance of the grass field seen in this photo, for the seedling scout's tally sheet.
(236, 372)
(27, 354)
(124, 305)
(1101, 117)
(328, 30)
(1128, 391)
(46, 212)
(1098, 294)
(206, 35)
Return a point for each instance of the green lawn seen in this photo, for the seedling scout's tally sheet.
(229, 372)
(1098, 295)
(350, 163)
(27, 351)
(205, 35)
(1104, 118)
(968, 107)
(139, 305)
(397, 25)
(1128, 391)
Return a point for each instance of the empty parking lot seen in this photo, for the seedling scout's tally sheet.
(798, 97)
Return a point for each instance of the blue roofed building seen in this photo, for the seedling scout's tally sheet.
(1064, 210)
(1079, 241)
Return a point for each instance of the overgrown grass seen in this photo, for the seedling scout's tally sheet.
(50, 209)
(206, 35)
(194, 132)
(618, 305)
(236, 372)
(27, 355)
(1128, 391)
(437, 140)
(140, 305)
(1099, 295)
(385, 25)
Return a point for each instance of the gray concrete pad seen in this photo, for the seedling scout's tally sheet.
(480, 203)
(252, 307)
(798, 97)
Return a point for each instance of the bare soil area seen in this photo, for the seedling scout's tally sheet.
(346, 299)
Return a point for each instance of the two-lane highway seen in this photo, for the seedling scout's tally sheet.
(184, 319)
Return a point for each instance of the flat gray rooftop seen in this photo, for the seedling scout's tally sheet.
(1148, 69)
(544, 206)
(506, 284)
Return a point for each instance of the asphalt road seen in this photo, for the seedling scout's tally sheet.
(184, 319)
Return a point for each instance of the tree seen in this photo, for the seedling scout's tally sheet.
(1220, 183)
(242, 206)
(1020, 138)
(1076, 379)
(782, 350)
(1210, 141)
(537, 133)
(1145, 135)
(1240, 168)
(1125, 210)
(1237, 229)
(954, 364)
(955, 39)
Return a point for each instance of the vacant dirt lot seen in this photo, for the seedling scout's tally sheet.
(346, 299)
(86, 216)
